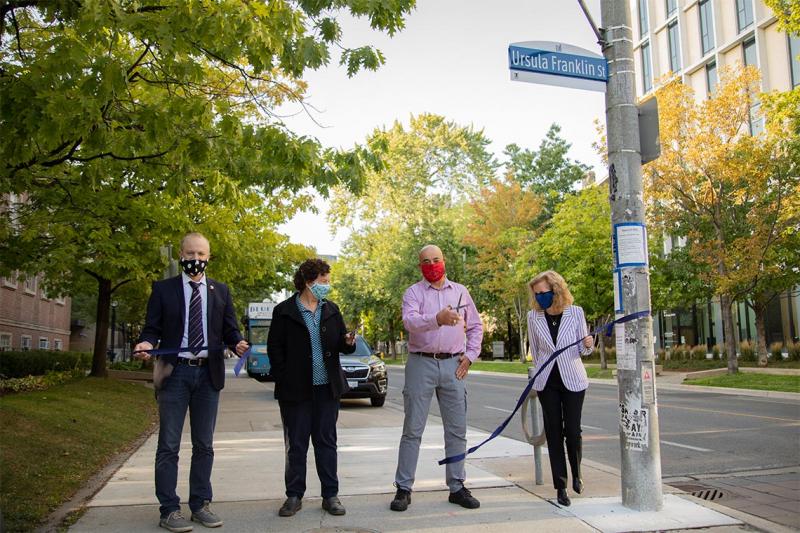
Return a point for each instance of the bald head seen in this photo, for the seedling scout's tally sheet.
(430, 253)
(195, 246)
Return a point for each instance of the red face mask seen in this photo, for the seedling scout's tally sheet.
(433, 272)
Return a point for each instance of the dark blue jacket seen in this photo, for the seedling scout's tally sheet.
(166, 310)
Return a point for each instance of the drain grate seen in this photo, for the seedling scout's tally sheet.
(700, 491)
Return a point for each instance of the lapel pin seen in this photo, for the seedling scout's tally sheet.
(211, 287)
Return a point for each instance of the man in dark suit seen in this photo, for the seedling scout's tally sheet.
(194, 312)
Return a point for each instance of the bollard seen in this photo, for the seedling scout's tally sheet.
(535, 435)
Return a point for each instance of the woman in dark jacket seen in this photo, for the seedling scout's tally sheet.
(305, 339)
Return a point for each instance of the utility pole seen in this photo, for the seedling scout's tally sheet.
(638, 428)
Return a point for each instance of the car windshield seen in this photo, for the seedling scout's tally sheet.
(362, 348)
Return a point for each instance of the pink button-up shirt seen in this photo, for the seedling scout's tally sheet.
(422, 301)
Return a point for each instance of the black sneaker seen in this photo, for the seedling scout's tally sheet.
(401, 500)
(464, 498)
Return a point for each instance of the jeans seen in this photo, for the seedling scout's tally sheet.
(189, 387)
(315, 418)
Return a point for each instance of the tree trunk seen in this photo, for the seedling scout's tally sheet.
(601, 341)
(510, 330)
(101, 328)
(392, 341)
(760, 310)
(519, 311)
(729, 332)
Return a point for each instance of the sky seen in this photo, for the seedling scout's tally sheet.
(452, 60)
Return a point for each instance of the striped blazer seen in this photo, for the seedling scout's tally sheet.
(573, 327)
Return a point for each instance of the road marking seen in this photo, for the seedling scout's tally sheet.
(498, 409)
(679, 445)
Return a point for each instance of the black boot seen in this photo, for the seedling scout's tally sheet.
(563, 499)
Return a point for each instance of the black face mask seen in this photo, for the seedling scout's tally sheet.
(193, 267)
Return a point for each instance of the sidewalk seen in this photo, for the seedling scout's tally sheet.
(248, 482)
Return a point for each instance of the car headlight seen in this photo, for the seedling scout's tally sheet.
(379, 367)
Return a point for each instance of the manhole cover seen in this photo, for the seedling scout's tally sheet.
(341, 530)
(700, 491)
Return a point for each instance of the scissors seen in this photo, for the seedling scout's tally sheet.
(458, 305)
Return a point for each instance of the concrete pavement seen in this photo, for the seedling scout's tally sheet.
(248, 482)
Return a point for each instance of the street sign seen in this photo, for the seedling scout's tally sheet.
(559, 64)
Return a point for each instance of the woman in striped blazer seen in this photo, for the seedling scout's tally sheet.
(554, 323)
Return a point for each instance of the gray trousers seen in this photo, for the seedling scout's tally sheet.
(423, 377)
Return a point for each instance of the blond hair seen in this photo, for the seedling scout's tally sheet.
(562, 298)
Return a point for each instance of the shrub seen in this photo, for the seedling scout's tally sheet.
(40, 362)
(776, 351)
(661, 354)
(716, 352)
(31, 383)
(747, 352)
(679, 352)
(699, 352)
(794, 351)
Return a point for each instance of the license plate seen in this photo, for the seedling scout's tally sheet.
(353, 384)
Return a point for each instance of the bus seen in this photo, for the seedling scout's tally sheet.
(257, 322)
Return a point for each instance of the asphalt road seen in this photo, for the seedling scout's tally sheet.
(701, 433)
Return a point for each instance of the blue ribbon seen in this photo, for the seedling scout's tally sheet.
(606, 327)
(170, 351)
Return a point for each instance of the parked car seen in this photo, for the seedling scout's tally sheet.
(366, 373)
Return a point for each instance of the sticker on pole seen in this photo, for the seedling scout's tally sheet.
(634, 422)
(630, 244)
(625, 339)
(648, 383)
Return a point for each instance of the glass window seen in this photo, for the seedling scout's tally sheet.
(672, 7)
(674, 47)
(744, 14)
(647, 68)
(755, 119)
(30, 285)
(794, 60)
(5, 342)
(711, 78)
(57, 345)
(644, 24)
(749, 51)
(25, 343)
(706, 26)
(44, 344)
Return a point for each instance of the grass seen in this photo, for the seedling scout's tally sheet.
(751, 381)
(514, 367)
(54, 440)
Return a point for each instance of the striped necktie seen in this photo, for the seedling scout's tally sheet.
(195, 318)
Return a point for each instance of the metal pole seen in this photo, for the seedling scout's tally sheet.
(639, 434)
(537, 449)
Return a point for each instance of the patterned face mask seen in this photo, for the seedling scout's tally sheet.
(193, 267)
(320, 290)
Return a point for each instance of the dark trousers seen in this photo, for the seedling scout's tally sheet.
(315, 418)
(561, 410)
(189, 387)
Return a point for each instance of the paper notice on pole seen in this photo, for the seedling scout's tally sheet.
(625, 347)
(648, 383)
(634, 422)
(630, 245)
(618, 306)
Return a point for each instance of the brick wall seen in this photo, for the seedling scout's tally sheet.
(27, 314)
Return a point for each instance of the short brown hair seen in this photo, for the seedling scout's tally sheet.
(309, 270)
(562, 298)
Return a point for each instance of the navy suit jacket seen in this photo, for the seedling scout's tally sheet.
(166, 312)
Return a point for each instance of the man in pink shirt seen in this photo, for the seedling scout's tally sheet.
(444, 337)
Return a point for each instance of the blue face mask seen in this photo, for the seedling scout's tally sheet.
(544, 299)
(320, 290)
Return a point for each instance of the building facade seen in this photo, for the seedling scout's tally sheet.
(29, 319)
(693, 40)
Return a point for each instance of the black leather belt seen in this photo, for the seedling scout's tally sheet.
(439, 355)
(200, 361)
